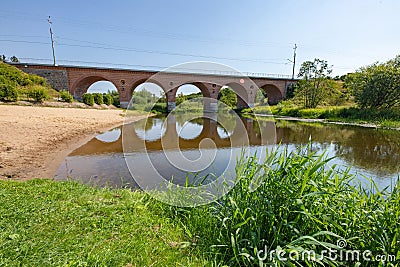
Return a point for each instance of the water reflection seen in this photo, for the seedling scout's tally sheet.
(371, 152)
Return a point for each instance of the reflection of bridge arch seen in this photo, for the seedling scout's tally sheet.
(244, 128)
(173, 141)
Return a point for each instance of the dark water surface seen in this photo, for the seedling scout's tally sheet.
(208, 147)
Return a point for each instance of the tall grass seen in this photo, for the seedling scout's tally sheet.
(294, 203)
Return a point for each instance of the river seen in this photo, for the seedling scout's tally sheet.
(195, 148)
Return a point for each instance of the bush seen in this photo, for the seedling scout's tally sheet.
(115, 97)
(38, 94)
(108, 99)
(98, 98)
(66, 96)
(8, 92)
(376, 86)
(88, 99)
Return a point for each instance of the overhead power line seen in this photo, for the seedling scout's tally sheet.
(126, 49)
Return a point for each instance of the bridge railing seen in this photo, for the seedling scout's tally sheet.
(231, 73)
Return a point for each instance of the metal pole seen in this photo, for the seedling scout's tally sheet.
(294, 60)
(52, 41)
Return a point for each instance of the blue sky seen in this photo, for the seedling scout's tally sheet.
(251, 36)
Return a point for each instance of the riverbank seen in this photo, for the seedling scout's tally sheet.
(381, 118)
(34, 139)
(310, 209)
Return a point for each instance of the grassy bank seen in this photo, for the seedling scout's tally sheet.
(380, 117)
(16, 84)
(47, 223)
(295, 207)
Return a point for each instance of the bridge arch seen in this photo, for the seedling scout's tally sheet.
(147, 95)
(273, 93)
(82, 85)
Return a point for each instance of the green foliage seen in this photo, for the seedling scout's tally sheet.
(190, 97)
(66, 96)
(115, 96)
(158, 108)
(98, 98)
(228, 97)
(8, 92)
(180, 99)
(10, 73)
(88, 99)
(38, 94)
(108, 99)
(380, 117)
(315, 83)
(291, 90)
(146, 101)
(55, 223)
(260, 97)
(15, 84)
(376, 86)
(294, 202)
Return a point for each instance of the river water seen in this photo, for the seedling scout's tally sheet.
(192, 148)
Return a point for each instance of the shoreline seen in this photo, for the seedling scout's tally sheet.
(365, 125)
(35, 140)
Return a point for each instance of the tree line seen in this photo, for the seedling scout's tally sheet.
(376, 86)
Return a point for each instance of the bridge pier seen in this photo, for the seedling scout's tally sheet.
(210, 105)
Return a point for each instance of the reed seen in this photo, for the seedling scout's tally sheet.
(294, 202)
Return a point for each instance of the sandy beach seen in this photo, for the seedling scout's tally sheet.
(34, 140)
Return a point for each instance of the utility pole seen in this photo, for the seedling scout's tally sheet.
(294, 60)
(52, 41)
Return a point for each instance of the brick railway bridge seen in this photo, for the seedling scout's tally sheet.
(77, 80)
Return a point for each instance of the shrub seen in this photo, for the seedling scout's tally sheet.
(98, 98)
(88, 99)
(39, 94)
(376, 86)
(108, 99)
(8, 92)
(115, 97)
(66, 96)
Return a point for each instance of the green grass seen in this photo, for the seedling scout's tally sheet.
(47, 223)
(380, 117)
(299, 204)
(293, 202)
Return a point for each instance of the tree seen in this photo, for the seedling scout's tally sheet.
(315, 82)
(3, 58)
(376, 86)
(228, 97)
(14, 59)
